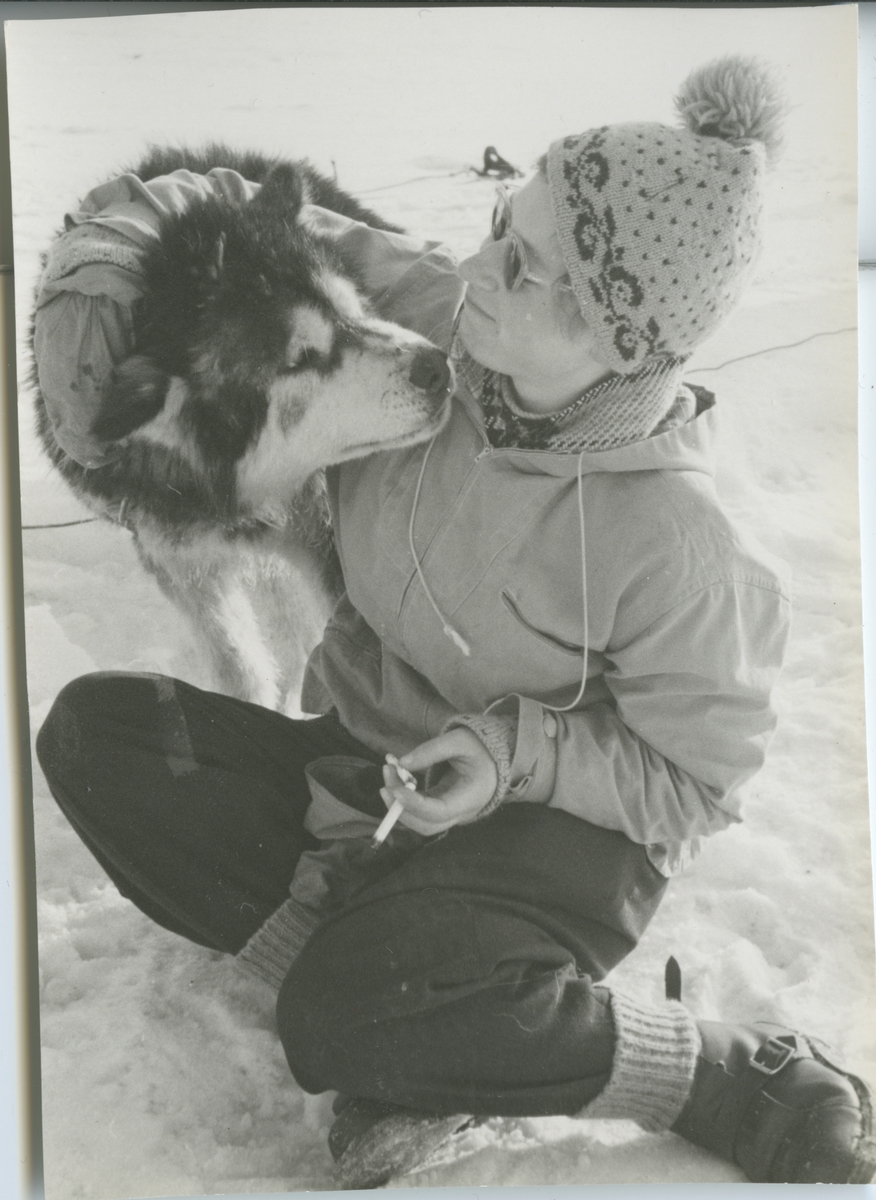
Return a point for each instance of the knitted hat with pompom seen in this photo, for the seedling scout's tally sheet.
(658, 226)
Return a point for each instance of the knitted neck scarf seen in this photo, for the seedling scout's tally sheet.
(614, 412)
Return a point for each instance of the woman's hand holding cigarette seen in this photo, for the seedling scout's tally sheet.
(461, 784)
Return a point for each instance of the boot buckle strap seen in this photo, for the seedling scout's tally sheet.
(773, 1055)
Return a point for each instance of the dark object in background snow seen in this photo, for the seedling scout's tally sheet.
(498, 167)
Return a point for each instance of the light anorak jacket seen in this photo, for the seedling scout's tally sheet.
(687, 619)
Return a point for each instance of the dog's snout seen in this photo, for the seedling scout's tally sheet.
(430, 371)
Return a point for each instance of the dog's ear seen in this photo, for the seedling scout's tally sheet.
(135, 395)
(283, 189)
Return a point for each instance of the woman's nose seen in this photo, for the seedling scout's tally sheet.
(484, 269)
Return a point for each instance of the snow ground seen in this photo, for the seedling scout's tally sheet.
(162, 1073)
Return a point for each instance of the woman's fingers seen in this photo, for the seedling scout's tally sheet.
(410, 819)
(457, 793)
(432, 814)
(437, 750)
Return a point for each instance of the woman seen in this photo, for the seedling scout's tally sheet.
(552, 622)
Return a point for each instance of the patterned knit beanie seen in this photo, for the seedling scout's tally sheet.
(659, 227)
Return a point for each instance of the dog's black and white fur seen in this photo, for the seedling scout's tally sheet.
(256, 364)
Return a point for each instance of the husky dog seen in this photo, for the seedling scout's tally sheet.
(256, 364)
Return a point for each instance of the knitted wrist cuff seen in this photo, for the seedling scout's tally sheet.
(655, 1057)
(499, 736)
(85, 245)
(273, 948)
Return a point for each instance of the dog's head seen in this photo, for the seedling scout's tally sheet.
(257, 361)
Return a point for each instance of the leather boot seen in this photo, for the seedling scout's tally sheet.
(773, 1102)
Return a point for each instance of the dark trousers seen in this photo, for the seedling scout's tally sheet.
(462, 979)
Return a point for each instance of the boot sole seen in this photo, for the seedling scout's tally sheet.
(864, 1166)
(392, 1147)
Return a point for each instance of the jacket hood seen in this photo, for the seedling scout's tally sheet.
(686, 447)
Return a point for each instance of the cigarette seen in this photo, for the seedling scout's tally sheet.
(397, 807)
(382, 831)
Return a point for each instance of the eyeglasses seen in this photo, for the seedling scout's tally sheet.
(516, 266)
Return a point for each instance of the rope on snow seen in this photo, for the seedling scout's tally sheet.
(63, 524)
(769, 349)
(495, 167)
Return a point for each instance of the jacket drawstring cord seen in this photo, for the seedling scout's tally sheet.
(454, 635)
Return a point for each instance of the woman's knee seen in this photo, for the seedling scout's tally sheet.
(70, 720)
(78, 722)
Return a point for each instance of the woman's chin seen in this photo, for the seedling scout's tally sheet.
(476, 343)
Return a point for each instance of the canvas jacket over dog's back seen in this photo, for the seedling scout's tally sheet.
(688, 620)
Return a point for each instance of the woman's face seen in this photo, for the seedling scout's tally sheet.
(523, 333)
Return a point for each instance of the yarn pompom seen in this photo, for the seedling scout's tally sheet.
(734, 97)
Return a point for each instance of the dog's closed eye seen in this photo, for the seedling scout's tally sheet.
(136, 394)
(307, 359)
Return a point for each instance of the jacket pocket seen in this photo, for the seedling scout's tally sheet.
(574, 649)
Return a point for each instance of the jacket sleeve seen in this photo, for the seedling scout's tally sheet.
(688, 721)
(89, 287)
(411, 282)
